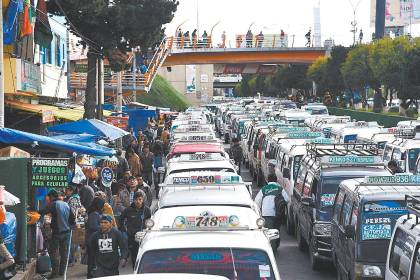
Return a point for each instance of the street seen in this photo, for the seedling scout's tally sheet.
(292, 263)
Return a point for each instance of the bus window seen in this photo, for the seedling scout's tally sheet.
(338, 205)
(412, 157)
(387, 153)
(401, 253)
(345, 216)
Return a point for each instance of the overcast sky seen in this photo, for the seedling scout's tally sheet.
(269, 16)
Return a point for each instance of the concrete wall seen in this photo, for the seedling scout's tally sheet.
(204, 75)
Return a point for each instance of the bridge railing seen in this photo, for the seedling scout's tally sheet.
(241, 41)
(78, 80)
(262, 41)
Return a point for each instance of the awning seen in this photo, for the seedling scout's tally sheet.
(16, 137)
(93, 127)
(59, 113)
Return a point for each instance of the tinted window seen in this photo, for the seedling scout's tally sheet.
(300, 179)
(401, 253)
(296, 165)
(328, 191)
(387, 153)
(412, 157)
(307, 184)
(415, 273)
(338, 205)
(354, 214)
(345, 215)
(249, 264)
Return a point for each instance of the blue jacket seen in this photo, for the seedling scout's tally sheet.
(62, 218)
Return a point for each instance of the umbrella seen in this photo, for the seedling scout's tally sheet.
(10, 199)
(94, 127)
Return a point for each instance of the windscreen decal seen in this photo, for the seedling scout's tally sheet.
(327, 199)
(376, 231)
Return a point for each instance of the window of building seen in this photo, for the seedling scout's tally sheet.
(57, 50)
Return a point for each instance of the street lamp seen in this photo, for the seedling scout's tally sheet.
(249, 28)
(354, 22)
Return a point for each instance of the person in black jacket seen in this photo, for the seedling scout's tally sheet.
(62, 222)
(109, 248)
(132, 221)
(92, 226)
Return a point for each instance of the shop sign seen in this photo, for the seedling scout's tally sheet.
(47, 116)
(120, 122)
(49, 172)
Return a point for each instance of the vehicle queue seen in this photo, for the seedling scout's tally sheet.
(343, 203)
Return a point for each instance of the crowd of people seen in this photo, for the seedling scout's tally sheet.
(107, 216)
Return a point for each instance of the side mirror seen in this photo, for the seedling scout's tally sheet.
(349, 231)
(308, 201)
(272, 234)
(286, 173)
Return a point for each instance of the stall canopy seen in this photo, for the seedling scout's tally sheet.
(16, 137)
(93, 127)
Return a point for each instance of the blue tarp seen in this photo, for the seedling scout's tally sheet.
(8, 232)
(93, 127)
(138, 118)
(15, 137)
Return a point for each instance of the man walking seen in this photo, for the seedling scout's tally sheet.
(109, 248)
(237, 153)
(132, 221)
(266, 202)
(62, 220)
(147, 159)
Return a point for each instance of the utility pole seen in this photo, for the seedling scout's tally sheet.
(101, 95)
(134, 74)
(119, 93)
(68, 63)
(1, 70)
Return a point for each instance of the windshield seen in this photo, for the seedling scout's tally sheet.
(379, 218)
(412, 158)
(249, 264)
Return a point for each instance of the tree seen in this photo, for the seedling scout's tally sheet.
(388, 60)
(334, 78)
(111, 28)
(357, 72)
(317, 73)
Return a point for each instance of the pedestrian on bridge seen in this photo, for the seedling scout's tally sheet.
(248, 37)
(223, 45)
(205, 39)
(194, 38)
(260, 40)
(308, 38)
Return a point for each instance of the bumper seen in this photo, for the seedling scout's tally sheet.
(323, 247)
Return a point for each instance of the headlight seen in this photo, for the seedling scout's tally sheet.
(365, 270)
(322, 229)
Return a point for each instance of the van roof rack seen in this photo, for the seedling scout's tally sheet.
(408, 132)
(319, 150)
(413, 206)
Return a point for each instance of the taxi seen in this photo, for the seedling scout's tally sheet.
(203, 179)
(380, 138)
(294, 116)
(191, 148)
(200, 162)
(212, 242)
(349, 133)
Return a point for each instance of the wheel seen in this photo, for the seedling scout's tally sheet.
(300, 240)
(289, 224)
(314, 261)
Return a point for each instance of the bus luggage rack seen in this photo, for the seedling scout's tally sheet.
(408, 132)
(319, 150)
(413, 206)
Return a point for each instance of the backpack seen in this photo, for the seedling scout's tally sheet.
(280, 204)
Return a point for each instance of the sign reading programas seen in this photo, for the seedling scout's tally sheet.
(49, 173)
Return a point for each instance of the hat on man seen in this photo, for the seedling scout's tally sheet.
(139, 193)
(107, 218)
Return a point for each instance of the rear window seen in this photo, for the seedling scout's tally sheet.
(248, 264)
(329, 188)
(296, 165)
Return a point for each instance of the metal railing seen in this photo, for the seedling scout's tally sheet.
(78, 80)
(241, 41)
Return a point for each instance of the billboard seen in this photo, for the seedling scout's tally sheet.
(190, 73)
(397, 12)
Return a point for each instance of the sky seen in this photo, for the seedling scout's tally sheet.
(295, 17)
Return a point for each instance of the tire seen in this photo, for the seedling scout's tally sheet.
(303, 247)
(289, 224)
(314, 261)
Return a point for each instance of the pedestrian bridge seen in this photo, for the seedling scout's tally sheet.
(258, 52)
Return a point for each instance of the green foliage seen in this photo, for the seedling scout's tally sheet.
(356, 70)
(411, 112)
(162, 94)
(111, 28)
(394, 109)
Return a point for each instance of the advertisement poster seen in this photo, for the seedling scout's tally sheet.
(190, 78)
(49, 173)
